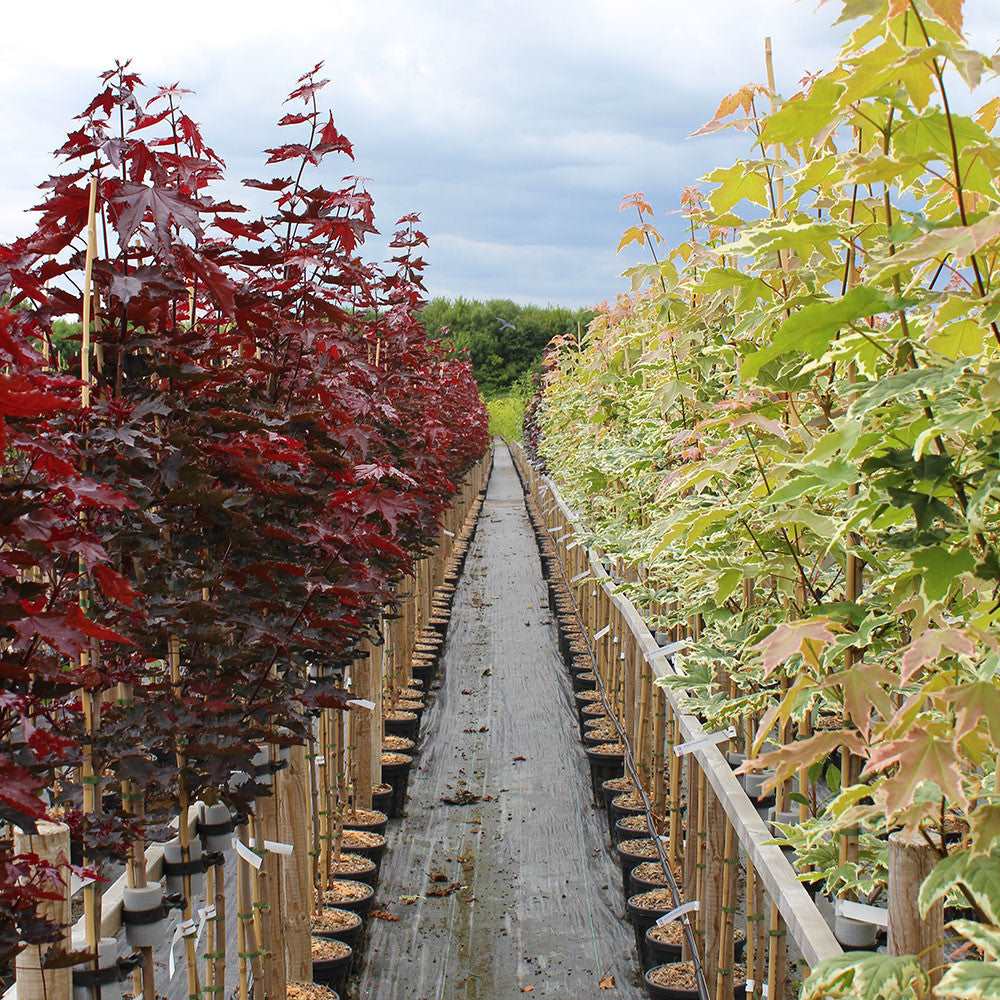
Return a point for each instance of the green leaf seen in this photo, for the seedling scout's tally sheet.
(959, 241)
(959, 340)
(813, 327)
(983, 936)
(726, 584)
(944, 875)
(866, 976)
(741, 180)
(971, 981)
(803, 115)
(938, 568)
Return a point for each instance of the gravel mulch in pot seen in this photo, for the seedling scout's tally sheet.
(329, 949)
(398, 744)
(677, 978)
(309, 991)
(332, 920)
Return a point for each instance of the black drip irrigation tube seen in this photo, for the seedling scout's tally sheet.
(630, 768)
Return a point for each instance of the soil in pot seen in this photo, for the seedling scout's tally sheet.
(365, 819)
(664, 944)
(346, 894)
(650, 875)
(635, 852)
(676, 981)
(629, 804)
(356, 867)
(629, 827)
(607, 760)
(410, 705)
(331, 962)
(364, 843)
(310, 991)
(398, 744)
(584, 681)
(603, 732)
(343, 925)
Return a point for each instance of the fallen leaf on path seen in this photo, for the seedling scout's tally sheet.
(438, 876)
(463, 797)
(444, 890)
(607, 982)
(383, 915)
(528, 989)
(408, 900)
(516, 759)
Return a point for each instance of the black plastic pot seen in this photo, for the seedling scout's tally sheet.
(590, 740)
(602, 767)
(637, 884)
(397, 775)
(423, 672)
(377, 824)
(358, 906)
(584, 681)
(662, 953)
(642, 919)
(620, 832)
(618, 810)
(607, 794)
(374, 854)
(627, 861)
(333, 972)
(663, 993)
(408, 727)
(352, 935)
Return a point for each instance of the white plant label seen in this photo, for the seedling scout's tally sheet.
(580, 576)
(186, 928)
(249, 856)
(678, 911)
(604, 631)
(362, 703)
(862, 912)
(684, 748)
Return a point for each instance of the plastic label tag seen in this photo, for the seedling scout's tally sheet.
(580, 576)
(572, 545)
(184, 929)
(862, 912)
(362, 703)
(604, 631)
(249, 856)
(450, 534)
(684, 748)
(678, 911)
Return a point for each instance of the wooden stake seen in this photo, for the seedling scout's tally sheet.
(911, 859)
(34, 982)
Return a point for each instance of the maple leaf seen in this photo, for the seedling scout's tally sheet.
(984, 823)
(927, 647)
(863, 693)
(973, 702)
(606, 982)
(807, 637)
(921, 756)
(131, 202)
(114, 585)
(787, 760)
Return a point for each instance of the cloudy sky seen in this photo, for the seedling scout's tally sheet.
(513, 127)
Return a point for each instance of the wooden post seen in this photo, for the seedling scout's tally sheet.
(293, 825)
(713, 890)
(659, 735)
(911, 859)
(50, 843)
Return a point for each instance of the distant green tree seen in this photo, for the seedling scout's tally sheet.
(504, 340)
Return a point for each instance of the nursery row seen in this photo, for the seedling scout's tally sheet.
(229, 485)
(784, 441)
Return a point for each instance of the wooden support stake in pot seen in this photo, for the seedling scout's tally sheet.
(34, 982)
(911, 859)
(293, 824)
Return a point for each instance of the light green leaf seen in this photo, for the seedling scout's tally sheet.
(938, 568)
(811, 328)
(945, 874)
(971, 981)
